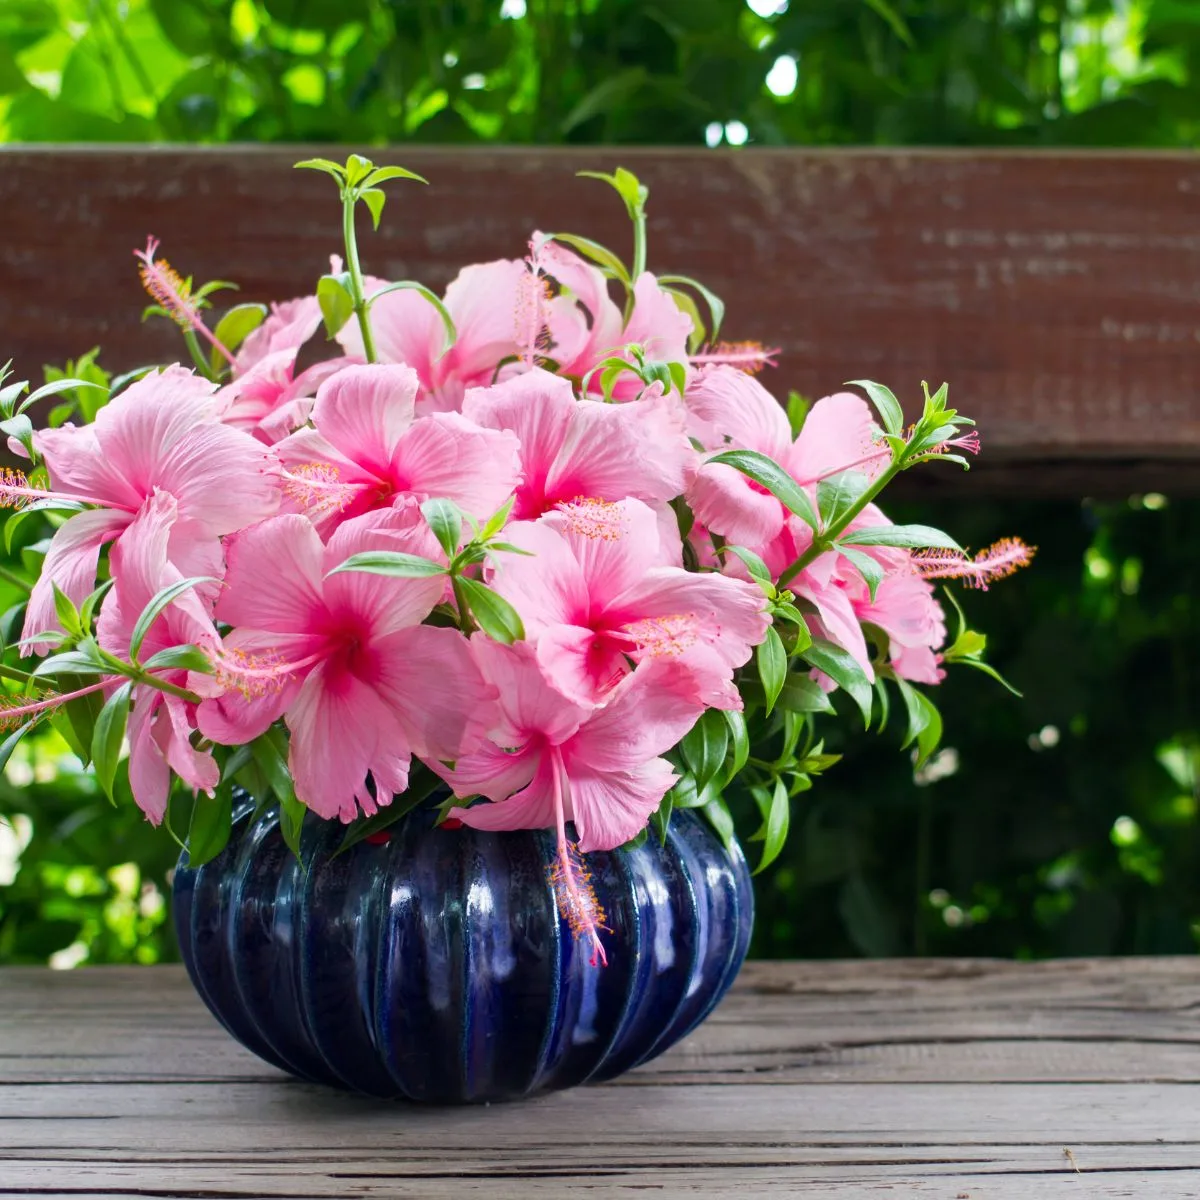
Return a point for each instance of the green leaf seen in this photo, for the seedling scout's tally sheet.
(180, 658)
(497, 520)
(21, 428)
(739, 739)
(108, 736)
(57, 387)
(755, 565)
(704, 746)
(867, 567)
(494, 615)
(291, 823)
(357, 169)
(991, 671)
(918, 715)
(322, 164)
(774, 478)
(234, 328)
(444, 517)
(599, 254)
(841, 667)
(69, 662)
(410, 285)
(383, 174)
(11, 742)
(716, 306)
(801, 694)
(774, 830)
(660, 818)
(212, 820)
(968, 644)
(157, 605)
(422, 783)
(337, 304)
(374, 199)
(720, 818)
(81, 714)
(390, 562)
(924, 721)
(917, 537)
(894, 20)
(838, 493)
(891, 414)
(772, 666)
(67, 613)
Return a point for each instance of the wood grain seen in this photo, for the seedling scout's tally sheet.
(923, 1078)
(1059, 293)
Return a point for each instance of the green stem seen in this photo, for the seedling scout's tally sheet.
(189, 336)
(13, 674)
(464, 609)
(15, 579)
(639, 259)
(823, 542)
(356, 278)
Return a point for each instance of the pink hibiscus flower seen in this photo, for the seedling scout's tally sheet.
(729, 409)
(367, 451)
(160, 726)
(595, 592)
(484, 302)
(571, 448)
(360, 682)
(549, 761)
(267, 399)
(585, 324)
(162, 434)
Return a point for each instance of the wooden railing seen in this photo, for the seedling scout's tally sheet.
(1059, 293)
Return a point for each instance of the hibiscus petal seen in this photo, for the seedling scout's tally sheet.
(527, 706)
(610, 807)
(491, 772)
(546, 584)
(649, 712)
(70, 563)
(433, 688)
(448, 456)
(149, 775)
(274, 580)
(483, 300)
(406, 329)
(223, 479)
(385, 602)
(580, 664)
(196, 768)
(837, 436)
(738, 410)
(726, 502)
(339, 728)
(362, 411)
(532, 808)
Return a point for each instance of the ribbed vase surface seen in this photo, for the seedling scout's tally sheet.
(436, 968)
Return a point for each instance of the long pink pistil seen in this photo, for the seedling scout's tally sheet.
(257, 674)
(15, 714)
(17, 492)
(569, 877)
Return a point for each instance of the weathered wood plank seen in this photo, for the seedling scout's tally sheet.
(936, 1078)
(1058, 293)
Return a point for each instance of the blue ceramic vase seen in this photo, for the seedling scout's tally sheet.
(435, 967)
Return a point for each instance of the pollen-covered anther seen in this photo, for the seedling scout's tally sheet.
(749, 357)
(664, 637)
(16, 710)
(998, 561)
(317, 489)
(253, 675)
(167, 287)
(15, 491)
(591, 518)
(575, 897)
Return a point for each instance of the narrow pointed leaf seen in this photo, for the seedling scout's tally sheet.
(494, 615)
(775, 479)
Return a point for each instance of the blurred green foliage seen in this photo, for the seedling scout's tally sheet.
(1113, 72)
(1061, 824)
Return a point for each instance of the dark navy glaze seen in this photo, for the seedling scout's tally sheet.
(436, 967)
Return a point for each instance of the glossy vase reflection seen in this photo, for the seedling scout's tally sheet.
(435, 967)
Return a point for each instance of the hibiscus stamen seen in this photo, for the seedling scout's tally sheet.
(663, 637)
(750, 357)
(318, 490)
(14, 711)
(533, 294)
(884, 451)
(16, 492)
(996, 562)
(255, 675)
(168, 288)
(591, 518)
(574, 893)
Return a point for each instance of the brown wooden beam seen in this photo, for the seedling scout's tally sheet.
(1059, 293)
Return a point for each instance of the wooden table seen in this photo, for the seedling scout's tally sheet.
(940, 1079)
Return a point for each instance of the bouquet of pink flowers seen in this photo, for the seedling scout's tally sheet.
(545, 541)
